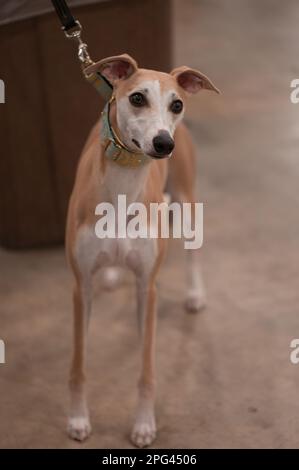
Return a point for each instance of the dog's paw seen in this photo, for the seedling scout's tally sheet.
(143, 434)
(195, 302)
(79, 428)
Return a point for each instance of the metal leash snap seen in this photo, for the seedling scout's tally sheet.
(72, 30)
(75, 33)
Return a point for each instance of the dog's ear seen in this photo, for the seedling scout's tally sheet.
(192, 80)
(114, 68)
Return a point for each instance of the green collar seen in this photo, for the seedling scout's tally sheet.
(115, 149)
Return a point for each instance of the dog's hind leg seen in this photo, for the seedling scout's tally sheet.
(195, 296)
(182, 180)
(78, 422)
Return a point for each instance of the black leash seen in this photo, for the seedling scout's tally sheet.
(72, 30)
(66, 18)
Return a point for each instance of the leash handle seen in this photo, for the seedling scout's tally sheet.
(64, 13)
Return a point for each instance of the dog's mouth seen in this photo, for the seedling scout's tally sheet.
(135, 142)
(158, 156)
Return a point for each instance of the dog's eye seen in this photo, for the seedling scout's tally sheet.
(137, 99)
(176, 106)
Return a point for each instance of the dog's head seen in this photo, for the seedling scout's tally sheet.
(149, 104)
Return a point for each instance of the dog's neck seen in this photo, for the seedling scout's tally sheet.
(113, 118)
(123, 179)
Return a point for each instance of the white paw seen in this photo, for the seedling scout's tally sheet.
(111, 278)
(79, 428)
(144, 433)
(195, 302)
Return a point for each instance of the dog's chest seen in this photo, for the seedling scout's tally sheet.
(93, 253)
(138, 254)
(123, 181)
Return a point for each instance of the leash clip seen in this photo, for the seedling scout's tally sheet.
(73, 30)
(75, 33)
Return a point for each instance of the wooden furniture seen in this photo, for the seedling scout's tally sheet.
(49, 108)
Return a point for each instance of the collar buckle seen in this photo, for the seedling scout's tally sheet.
(117, 152)
(112, 149)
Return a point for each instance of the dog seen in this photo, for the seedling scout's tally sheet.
(127, 152)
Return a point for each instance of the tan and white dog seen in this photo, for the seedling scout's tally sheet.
(144, 120)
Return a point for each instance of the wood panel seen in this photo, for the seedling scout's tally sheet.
(29, 204)
(50, 108)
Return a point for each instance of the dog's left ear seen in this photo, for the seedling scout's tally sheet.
(192, 80)
(114, 68)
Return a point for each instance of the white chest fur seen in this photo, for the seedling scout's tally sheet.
(137, 254)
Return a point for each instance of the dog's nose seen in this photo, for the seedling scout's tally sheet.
(163, 143)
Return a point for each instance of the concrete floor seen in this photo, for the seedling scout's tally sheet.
(224, 376)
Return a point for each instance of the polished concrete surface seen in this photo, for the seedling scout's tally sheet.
(224, 375)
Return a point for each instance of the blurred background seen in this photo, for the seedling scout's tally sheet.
(224, 376)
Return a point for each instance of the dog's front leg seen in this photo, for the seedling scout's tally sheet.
(144, 430)
(78, 422)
